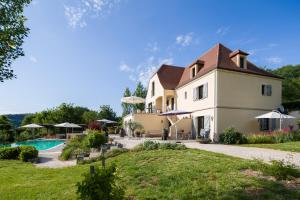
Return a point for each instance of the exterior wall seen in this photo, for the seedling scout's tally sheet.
(152, 123)
(160, 96)
(239, 100)
(203, 107)
(189, 104)
(183, 126)
(244, 91)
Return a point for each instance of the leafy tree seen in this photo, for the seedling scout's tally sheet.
(12, 34)
(140, 91)
(126, 107)
(6, 134)
(95, 139)
(100, 184)
(89, 116)
(291, 82)
(5, 123)
(106, 112)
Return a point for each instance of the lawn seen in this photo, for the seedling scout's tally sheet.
(287, 146)
(159, 174)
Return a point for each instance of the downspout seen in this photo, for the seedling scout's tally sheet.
(215, 105)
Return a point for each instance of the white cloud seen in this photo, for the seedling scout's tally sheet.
(223, 30)
(274, 60)
(152, 47)
(184, 40)
(125, 68)
(268, 47)
(143, 72)
(33, 59)
(77, 14)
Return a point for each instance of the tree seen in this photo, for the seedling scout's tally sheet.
(106, 112)
(125, 106)
(291, 82)
(12, 34)
(6, 134)
(89, 116)
(140, 91)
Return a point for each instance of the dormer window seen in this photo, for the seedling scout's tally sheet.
(193, 72)
(242, 62)
(240, 58)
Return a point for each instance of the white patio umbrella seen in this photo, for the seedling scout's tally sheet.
(275, 115)
(67, 125)
(175, 112)
(32, 126)
(133, 100)
(106, 121)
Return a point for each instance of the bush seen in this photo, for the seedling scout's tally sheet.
(280, 170)
(95, 139)
(73, 148)
(231, 136)
(23, 153)
(150, 145)
(9, 153)
(28, 153)
(100, 185)
(271, 138)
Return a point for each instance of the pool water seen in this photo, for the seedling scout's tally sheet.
(39, 144)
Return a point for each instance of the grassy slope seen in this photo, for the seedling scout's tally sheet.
(288, 146)
(188, 174)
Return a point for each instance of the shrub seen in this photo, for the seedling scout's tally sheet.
(281, 170)
(100, 185)
(74, 147)
(9, 153)
(95, 139)
(24, 153)
(150, 145)
(28, 153)
(231, 136)
(260, 139)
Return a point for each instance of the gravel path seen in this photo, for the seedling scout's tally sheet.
(236, 151)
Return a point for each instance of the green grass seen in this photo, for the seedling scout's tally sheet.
(287, 146)
(159, 174)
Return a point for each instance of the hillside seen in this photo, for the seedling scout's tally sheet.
(16, 119)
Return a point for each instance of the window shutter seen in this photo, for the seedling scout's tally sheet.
(194, 127)
(206, 122)
(194, 94)
(269, 90)
(205, 90)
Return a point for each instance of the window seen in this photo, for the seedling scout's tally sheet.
(185, 95)
(193, 72)
(242, 62)
(150, 108)
(264, 124)
(172, 103)
(153, 88)
(200, 92)
(266, 90)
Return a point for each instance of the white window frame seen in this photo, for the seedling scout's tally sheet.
(204, 92)
(266, 90)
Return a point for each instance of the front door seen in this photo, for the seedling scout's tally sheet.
(200, 124)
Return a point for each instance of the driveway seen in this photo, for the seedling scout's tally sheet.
(236, 151)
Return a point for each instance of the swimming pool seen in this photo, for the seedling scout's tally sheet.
(39, 144)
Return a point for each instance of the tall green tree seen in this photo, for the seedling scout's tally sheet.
(12, 34)
(106, 112)
(126, 107)
(140, 91)
(89, 116)
(291, 82)
(6, 134)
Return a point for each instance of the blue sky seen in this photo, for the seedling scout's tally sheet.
(87, 51)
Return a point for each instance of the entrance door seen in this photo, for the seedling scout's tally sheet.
(200, 124)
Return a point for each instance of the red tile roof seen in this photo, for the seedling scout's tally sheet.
(218, 57)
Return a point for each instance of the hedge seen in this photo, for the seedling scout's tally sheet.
(23, 153)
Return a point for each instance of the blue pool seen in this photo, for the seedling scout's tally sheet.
(39, 144)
